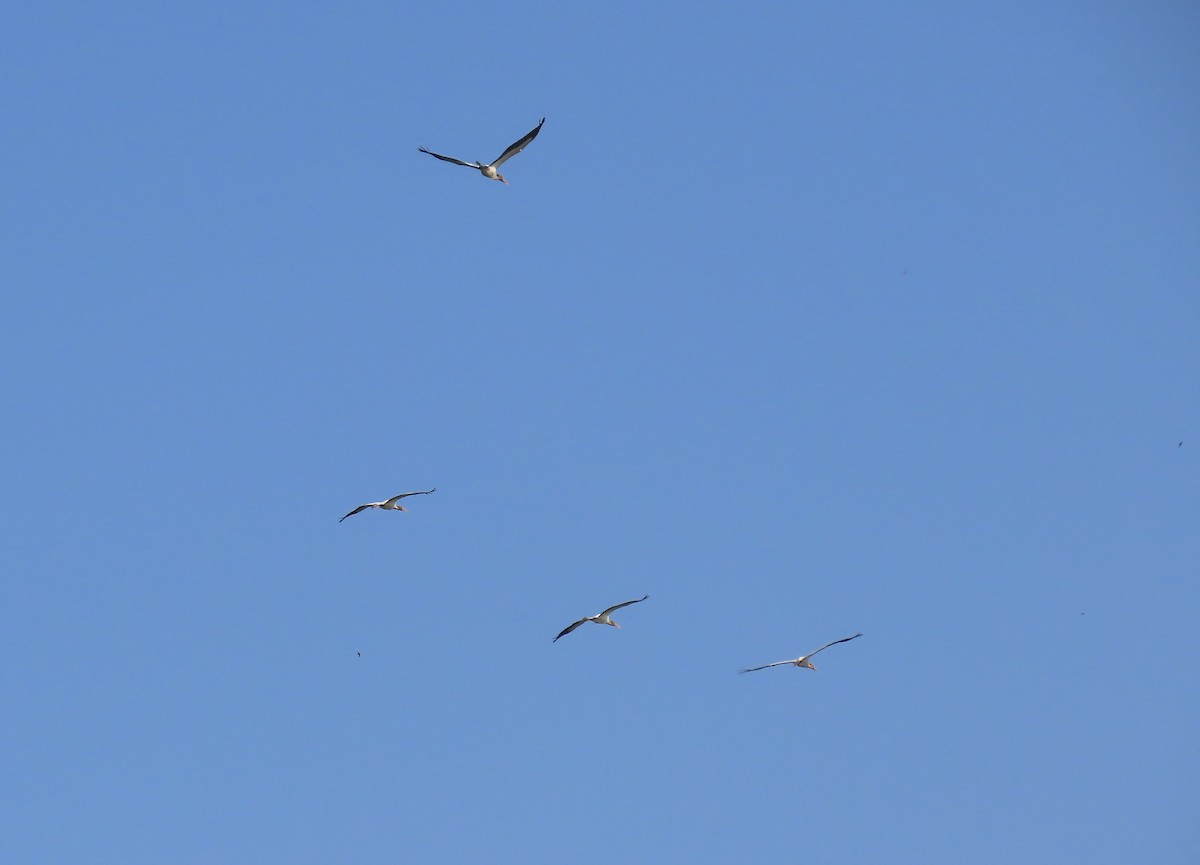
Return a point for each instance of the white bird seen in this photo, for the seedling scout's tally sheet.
(489, 171)
(803, 660)
(604, 618)
(391, 504)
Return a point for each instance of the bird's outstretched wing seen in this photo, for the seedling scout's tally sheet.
(395, 499)
(361, 508)
(764, 666)
(623, 604)
(568, 629)
(833, 643)
(449, 158)
(516, 147)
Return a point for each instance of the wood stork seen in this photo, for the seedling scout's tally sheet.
(604, 618)
(490, 171)
(391, 504)
(803, 660)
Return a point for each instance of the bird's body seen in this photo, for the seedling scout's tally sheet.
(392, 504)
(491, 170)
(604, 618)
(803, 660)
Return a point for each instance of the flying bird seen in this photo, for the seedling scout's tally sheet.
(803, 660)
(490, 171)
(604, 618)
(391, 504)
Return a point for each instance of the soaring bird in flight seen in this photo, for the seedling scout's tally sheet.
(803, 660)
(392, 504)
(604, 618)
(490, 171)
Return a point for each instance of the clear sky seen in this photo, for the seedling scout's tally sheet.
(802, 318)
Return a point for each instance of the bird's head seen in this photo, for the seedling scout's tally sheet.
(810, 665)
(614, 624)
(500, 177)
(401, 508)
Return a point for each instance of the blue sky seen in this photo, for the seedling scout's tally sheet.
(805, 320)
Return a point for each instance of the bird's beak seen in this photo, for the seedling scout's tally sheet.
(615, 625)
